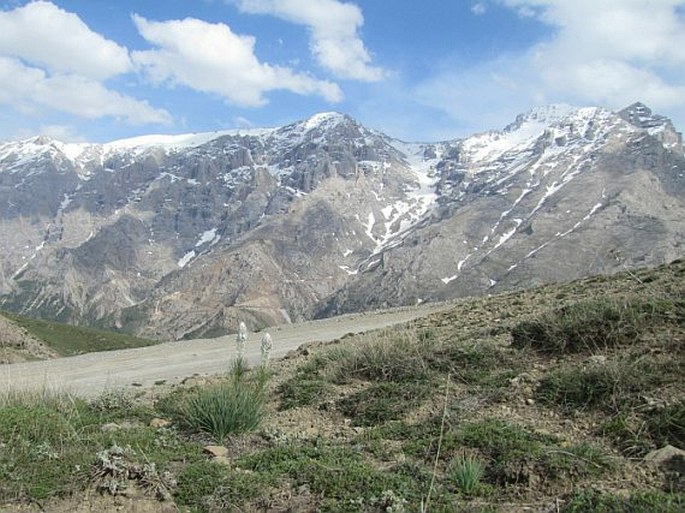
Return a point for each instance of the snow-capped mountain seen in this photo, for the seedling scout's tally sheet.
(176, 236)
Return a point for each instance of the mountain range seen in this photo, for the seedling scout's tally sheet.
(184, 236)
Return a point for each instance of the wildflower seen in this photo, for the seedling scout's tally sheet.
(240, 339)
(267, 345)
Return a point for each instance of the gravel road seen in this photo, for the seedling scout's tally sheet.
(93, 373)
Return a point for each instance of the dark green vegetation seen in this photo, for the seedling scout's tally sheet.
(69, 340)
(227, 408)
(544, 400)
(55, 446)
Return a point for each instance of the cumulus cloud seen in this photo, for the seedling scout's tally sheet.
(334, 29)
(49, 58)
(211, 58)
(29, 89)
(608, 53)
(611, 52)
(43, 34)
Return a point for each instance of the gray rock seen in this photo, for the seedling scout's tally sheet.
(326, 216)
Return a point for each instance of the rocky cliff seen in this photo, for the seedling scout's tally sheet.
(178, 236)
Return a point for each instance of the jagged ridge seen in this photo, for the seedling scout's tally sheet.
(175, 236)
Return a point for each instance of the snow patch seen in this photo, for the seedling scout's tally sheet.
(186, 258)
(209, 236)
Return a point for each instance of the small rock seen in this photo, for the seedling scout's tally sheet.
(530, 401)
(216, 451)
(109, 427)
(664, 455)
(158, 423)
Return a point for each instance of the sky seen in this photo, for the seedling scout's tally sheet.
(418, 70)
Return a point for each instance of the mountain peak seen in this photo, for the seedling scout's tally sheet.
(641, 116)
(545, 115)
(325, 119)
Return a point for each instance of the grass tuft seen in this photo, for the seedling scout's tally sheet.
(223, 410)
(595, 325)
(467, 472)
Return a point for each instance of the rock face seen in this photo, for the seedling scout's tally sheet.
(184, 236)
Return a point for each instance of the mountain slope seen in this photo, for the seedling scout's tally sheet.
(177, 236)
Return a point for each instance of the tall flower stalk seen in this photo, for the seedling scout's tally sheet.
(267, 345)
(240, 340)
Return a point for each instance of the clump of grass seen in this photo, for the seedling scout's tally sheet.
(650, 502)
(667, 425)
(391, 356)
(239, 369)
(306, 387)
(467, 472)
(580, 460)
(225, 409)
(510, 448)
(609, 387)
(383, 402)
(579, 388)
(594, 325)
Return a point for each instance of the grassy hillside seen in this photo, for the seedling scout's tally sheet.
(68, 340)
(545, 400)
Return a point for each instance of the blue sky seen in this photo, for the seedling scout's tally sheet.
(96, 70)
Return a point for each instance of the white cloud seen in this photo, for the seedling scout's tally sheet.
(64, 133)
(50, 59)
(608, 53)
(334, 33)
(29, 89)
(479, 8)
(611, 52)
(43, 34)
(210, 58)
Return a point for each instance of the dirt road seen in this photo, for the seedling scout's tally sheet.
(91, 374)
